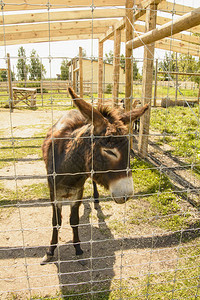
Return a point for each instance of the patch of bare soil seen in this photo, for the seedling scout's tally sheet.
(108, 254)
(23, 173)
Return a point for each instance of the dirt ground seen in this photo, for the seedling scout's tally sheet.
(26, 231)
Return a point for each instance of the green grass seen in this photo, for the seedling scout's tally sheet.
(160, 206)
(155, 206)
(180, 129)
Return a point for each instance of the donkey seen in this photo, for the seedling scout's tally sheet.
(84, 143)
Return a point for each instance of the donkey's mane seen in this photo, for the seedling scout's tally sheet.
(112, 115)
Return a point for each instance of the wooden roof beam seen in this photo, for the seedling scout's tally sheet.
(166, 44)
(58, 26)
(177, 9)
(137, 14)
(61, 16)
(52, 39)
(185, 22)
(110, 32)
(44, 35)
(10, 5)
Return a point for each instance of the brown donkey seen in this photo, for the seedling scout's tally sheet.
(84, 143)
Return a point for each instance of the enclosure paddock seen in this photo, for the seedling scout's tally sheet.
(148, 247)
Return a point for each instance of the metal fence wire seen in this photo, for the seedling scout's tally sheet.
(145, 248)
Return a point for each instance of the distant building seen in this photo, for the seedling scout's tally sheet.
(90, 75)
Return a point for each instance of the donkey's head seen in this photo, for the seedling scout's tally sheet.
(109, 154)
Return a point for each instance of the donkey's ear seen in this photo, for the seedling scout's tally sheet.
(133, 114)
(90, 113)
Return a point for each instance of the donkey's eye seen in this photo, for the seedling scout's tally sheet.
(111, 153)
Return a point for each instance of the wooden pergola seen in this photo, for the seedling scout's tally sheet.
(135, 22)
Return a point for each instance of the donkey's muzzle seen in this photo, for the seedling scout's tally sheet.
(122, 189)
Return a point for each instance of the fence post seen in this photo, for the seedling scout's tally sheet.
(147, 81)
(81, 71)
(100, 77)
(116, 66)
(176, 92)
(156, 84)
(41, 84)
(11, 104)
(128, 55)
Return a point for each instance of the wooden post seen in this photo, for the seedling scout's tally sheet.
(198, 94)
(156, 83)
(147, 81)
(128, 54)
(116, 66)
(176, 92)
(41, 83)
(81, 70)
(74, 74)
(74, 77)
(100, 80)
(11, 105)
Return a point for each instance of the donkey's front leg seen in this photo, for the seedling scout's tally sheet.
(96, 193)
(56, 222)
(74, 221)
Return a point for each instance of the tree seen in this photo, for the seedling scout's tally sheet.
(168, 64)
(109, 57)
(22, 67)
(36, 68)
(64, 70)
(136, 74)
(122, 62)
(188, 64)
(4, 75)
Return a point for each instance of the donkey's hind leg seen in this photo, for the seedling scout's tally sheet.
(74, 221)
(96, 193)
(56, 222)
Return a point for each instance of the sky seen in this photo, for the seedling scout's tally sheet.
(69, 49)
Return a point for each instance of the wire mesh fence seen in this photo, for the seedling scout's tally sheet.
(144, 248)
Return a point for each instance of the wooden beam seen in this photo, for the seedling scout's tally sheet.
(61, 16)
(137, 14)
(177, 9)
(58, 26)
(110, 32)
(179, 47)
(128, 55)
(81, 71)
(178, 36)
(179, 73)
(164, 20)
(44, 35)
(183, 23)
(43, 4)
(147, 82)
(53, 38)
(116, 67)
(9, 82)
(141, 8)
(100, 76)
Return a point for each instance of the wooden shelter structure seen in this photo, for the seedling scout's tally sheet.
(135, 22)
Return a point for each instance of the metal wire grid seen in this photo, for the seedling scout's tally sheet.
(121, 255)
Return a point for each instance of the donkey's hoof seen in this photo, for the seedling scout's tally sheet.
(96, 205)
(47, 258)
(79, 251)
